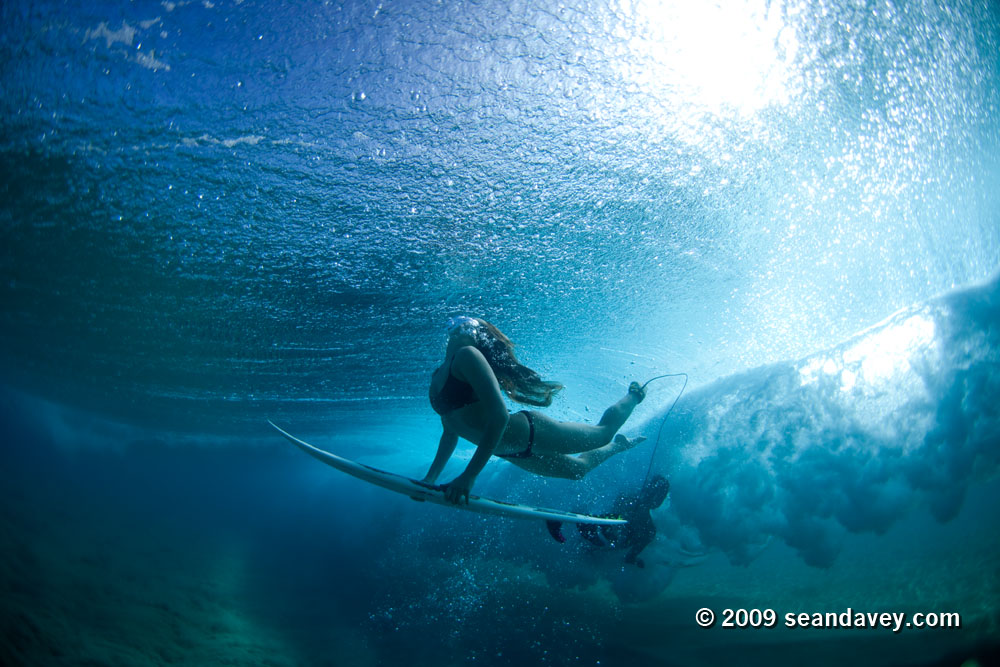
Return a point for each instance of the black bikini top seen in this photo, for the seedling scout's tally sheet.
(454, 394)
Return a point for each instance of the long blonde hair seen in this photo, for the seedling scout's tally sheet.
(519, 382)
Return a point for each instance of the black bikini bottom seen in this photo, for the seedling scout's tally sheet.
(526, 454)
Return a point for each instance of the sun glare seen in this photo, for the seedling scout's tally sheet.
(878, 359)
(888, 352)
(727, 57)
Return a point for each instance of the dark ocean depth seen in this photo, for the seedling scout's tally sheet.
(217, 213)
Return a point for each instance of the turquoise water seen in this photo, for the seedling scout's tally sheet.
(214, 213)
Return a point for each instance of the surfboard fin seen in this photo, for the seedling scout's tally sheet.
(555, 530)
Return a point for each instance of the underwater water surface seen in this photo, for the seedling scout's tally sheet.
(217, 213)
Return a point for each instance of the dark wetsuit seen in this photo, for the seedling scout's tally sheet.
(634, 535)
(640, 530)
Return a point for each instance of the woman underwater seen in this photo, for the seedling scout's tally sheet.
(465, 391)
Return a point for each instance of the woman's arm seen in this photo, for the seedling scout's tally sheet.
(491, 438)
(471, 366)
(446, 447)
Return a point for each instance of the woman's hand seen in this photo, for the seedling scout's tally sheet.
(458, 489)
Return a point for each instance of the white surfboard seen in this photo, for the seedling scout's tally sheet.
(435, 493)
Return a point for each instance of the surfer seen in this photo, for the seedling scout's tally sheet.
(466, 392)
(635, 535)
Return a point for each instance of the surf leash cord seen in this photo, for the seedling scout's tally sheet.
(652, 457)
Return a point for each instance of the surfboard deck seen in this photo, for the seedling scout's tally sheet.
(434, 493)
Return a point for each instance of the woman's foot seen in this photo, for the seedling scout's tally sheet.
(637, 390)
(595, 457)
(623, 444)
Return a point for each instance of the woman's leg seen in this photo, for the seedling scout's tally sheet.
(555, 437)
(574, 467)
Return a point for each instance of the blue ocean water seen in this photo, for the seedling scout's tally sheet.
(215, 213)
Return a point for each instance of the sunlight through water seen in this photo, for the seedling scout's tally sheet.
(723, 58)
